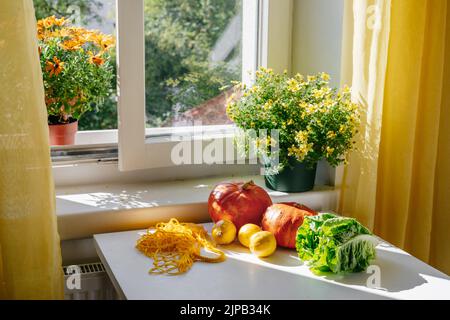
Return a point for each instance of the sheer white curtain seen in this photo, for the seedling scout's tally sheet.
(364, 60)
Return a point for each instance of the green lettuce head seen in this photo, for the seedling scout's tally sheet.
(335, 244)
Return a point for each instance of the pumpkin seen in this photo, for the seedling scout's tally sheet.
(238, 202)
(283, 220)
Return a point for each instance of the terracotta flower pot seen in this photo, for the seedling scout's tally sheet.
(63, 134)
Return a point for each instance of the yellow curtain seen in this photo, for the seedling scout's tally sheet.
(397, 182)
(30, 258)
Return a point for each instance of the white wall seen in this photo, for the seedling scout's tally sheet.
(316, 37)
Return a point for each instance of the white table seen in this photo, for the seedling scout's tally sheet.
(281, 276)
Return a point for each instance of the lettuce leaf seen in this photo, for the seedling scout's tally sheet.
(335, 244)
(308, 234)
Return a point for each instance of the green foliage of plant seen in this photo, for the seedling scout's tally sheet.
(76, 68)
(104, 115)
(314, 121)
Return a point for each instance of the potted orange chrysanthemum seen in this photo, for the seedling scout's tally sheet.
(77, 74)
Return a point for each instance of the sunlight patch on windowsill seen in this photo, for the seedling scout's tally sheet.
(111, 201)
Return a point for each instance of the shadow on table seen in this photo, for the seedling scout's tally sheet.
(398, 270)
(396, 273)
(425, 268)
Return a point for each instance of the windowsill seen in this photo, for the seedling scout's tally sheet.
(85, 210)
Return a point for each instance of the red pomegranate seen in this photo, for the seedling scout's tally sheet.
(283, 219)
(239, 202)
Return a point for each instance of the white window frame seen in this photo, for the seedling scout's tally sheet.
(135, 151)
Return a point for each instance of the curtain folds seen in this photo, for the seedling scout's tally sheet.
(30, 258)
(406, 146)
(366, 37)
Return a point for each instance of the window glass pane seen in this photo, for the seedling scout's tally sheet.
(95, 15)
(192, 51)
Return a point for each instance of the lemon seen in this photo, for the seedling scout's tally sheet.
(246, 232)
(263, 244)
(224, 232)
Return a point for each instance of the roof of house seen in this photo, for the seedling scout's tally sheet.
(211, 112)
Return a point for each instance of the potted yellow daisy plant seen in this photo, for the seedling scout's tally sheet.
(312, 122)
(77, 73)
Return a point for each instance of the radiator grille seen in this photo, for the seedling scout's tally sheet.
(94, 283)
(86, 268)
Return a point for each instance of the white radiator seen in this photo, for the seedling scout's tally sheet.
(87, 282)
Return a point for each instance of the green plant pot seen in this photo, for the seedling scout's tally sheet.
(295, 178)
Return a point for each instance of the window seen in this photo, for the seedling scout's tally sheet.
(175, 60)
(192, 52)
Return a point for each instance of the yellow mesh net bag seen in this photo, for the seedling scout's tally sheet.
(175, 246)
